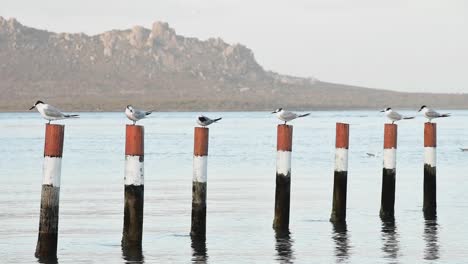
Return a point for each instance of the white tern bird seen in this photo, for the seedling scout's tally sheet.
(287, 116)
(136, 114)
(50, 113)
(395, 116)
(205, 121)
(431, 114)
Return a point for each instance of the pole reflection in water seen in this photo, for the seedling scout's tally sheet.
(133, 254)
(284, 251)
(390, 240)
(199, 251)
(340, 237)
(431, 252)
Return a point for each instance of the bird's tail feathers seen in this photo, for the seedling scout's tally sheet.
(408, 117)
(72, 116)
(304, 115)
(217, 119)
(150, 112)
(445, 115)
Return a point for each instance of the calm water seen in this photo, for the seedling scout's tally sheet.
(241, 182)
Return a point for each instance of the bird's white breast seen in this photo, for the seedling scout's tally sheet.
(130, 115)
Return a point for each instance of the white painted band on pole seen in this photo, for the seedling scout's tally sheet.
(52, 170)
(283, 162)
(200, 167)
(341, 159)
(430, 156)
(134, 171)
(389, 158)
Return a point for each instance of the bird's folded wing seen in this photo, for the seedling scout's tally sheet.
(139, 114)
(432, 113)
(394, 115)
(53, 112)
(289, 115)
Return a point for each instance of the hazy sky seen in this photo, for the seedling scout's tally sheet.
(413, 45)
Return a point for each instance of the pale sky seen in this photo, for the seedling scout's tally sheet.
(412, 45)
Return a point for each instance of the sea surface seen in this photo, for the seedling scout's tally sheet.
(241, 188)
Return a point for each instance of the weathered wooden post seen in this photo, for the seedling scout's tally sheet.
(134, 187)
(49, 217)
(283, 177)
(341, 173)
(387, 204)
(430, 144)
(200, 162)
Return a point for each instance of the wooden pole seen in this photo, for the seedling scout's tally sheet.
(430, 144)
(283, 177)
(200, 162)
(134, 187)
(387, 204)
(341, 173)
(46, 248)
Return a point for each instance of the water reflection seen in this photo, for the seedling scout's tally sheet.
(284, 251)
(340, 237)
(390, 240)
(431, 252)
(47, 260)
(199, 251)
(133, 254)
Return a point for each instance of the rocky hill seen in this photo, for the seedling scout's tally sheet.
(156, 68)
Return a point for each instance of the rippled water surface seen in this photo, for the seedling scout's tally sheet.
(241, 183)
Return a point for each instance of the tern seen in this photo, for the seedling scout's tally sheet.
(49, 112)
(431, 114)
(205, 121)
(136, 114)
(395, 116)
(287, 115)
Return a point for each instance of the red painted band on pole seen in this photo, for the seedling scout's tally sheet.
(284, 138)
(200, 147)
(430, 134)
(390, 136)
(53, 146)
(342, 135)
(134, 140)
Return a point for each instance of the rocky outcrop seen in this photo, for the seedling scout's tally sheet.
(158, 68)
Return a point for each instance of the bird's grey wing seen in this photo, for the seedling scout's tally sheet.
(432, 113)
(289, 115)
(53, 111)
(394, 116)
(139, 114)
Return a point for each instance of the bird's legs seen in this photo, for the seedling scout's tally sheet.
(134, 122)
(285, 122)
